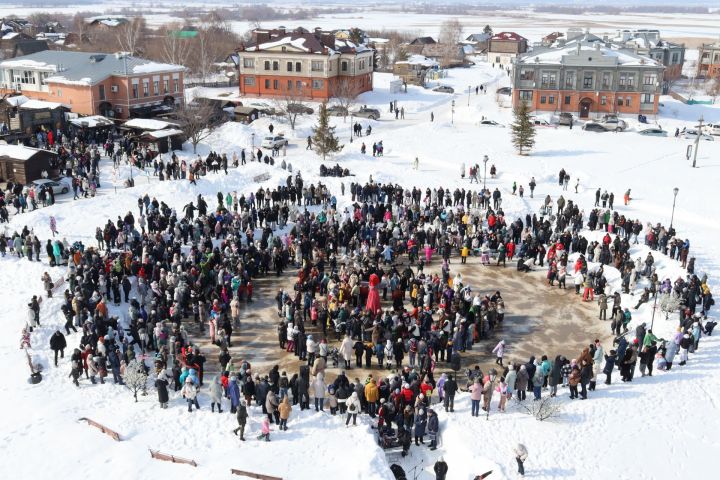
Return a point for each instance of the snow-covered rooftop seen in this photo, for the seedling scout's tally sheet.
(559, 55)
(148, 124)
(19, 152)
(419, 60)
(92, 121)
(40, 104)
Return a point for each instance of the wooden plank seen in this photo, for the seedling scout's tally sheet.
(107, 431)
(259, 476)
(171, 458)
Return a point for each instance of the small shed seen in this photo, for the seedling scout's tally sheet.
(23, 164)
(164, 140)
(246, 114)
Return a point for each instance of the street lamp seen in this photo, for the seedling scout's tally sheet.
(697, 140)
(485, 160)
(672, 216)
(452, 113)
(352, 123)
(493, 375)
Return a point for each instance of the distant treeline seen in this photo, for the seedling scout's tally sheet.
(615, 10)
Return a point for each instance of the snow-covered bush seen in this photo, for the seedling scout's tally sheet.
(546, 408)
(135, 378)
(669, 304)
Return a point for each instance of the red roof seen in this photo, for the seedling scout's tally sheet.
(508, 36)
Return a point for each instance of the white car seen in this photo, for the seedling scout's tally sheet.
(692, 134)
(713, 129)
(274, 141)
(58, 186)
(540, 122)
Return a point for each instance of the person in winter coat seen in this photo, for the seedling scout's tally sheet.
(510, 381)
(609, 365)
(499, 351)
(586, 375)
(475, 397)
(450, 388)
(233, 392)
(419, 426)
(440, 468)
(265, 430)
(216, 394)
(241, 416)
(555, 376)
(271, 406)
(346, 351)
(319, 387)
(433, 428)
(58, 345)
(521, 382)
(537, 380)
(685, 343)
(372, 395)
(521, 454)
(189, 391)
(353, 408)
(573, 381)
(285, 409)
(161, 383)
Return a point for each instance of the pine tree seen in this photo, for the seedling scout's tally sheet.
(324, 140)
(488, 30)
(523, 131)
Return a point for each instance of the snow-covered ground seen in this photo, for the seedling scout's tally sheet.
(659, 427)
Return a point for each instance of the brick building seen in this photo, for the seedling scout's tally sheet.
(317, 65)
(708, 64)
(588, 79)
(113, 85)
(647, 42)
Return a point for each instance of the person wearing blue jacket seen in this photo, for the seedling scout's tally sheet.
(420, 424)
(609, 365)
(233, 393)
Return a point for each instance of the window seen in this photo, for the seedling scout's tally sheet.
(156, 87)
(548, 80)
(588, 79)
(289, 66)
(361, 64)
(567, 99)
(267, 84)
(543, 99)
(135, 90)
(526, 95)
(527, 74)
(176, 86)
(267, 64)
(289, 84)
(250, 63)
(619, 101)
(606, 80)
(649, 79)
(647, 98)
(317, 84)
(101, 88)
(298, 66)
(276, 65)
(59, 92)
(249, 81)
(146, 88)
(166, 86)
(570, 80)
(627, 101)
(276, 84)
(316, 66)
(675, 58)
(603, 100)
(497, 59)
(551, 99)
(298, 85)
(344, 66)
(626, 81)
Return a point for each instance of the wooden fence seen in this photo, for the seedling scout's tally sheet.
(259, 476)
(171, 458)
(107, 431)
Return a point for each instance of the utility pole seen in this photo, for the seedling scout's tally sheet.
(452, 114)
(697, 140)
(469, 88)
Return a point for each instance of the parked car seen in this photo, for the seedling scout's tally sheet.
(653, 132)
(504, 91)
(263, 107)
(299, 108)
(365, 112)
(491, 123)
(444, 89)
(337, 110)
(58, 186)
(274, 141)
(594, 127)
(692, 134)
(565, 119)
(612, 123)
(540, 122)
(713, 129)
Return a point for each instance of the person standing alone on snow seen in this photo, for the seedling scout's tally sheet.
(521, 454)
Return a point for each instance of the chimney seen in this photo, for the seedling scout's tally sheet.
(260, 36)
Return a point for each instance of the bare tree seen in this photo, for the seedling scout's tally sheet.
(135, 378)
(344, 94)
(450, 36)
(291, 103)
(712, 87)
(198, 121)
(175, 49)
(546, 408)
(131, 36)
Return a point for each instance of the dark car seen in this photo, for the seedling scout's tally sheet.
(300, 109)
(504, 91)
(444, 89)
(337, 111)
(594, 127)
(371, 113)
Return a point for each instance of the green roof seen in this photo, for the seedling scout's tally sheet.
(184, 33)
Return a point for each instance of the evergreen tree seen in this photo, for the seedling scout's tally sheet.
(324, 140)
(523, 131)
(488, 30)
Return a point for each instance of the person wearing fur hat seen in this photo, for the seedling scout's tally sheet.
(161, 383)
